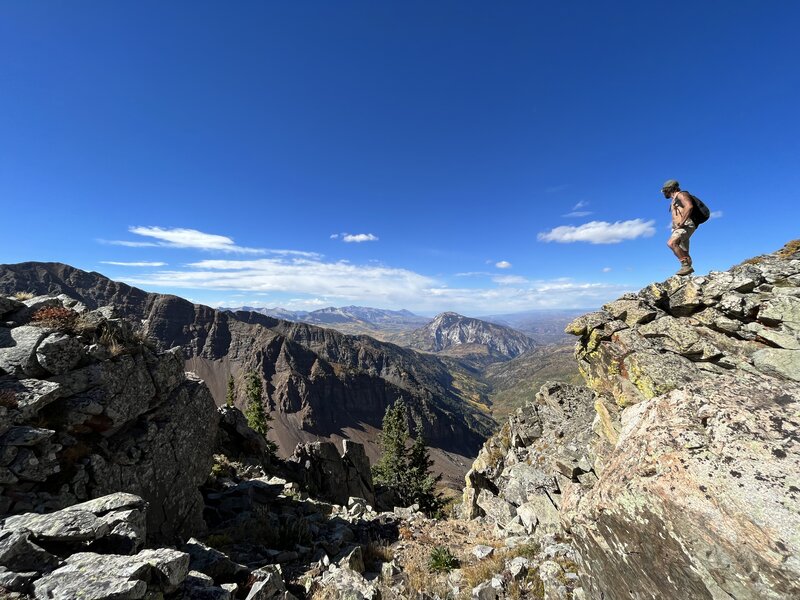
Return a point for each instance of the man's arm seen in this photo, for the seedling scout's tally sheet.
(686, 207)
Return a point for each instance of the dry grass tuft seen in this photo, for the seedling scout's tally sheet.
(22, 296)
(789, 249)
(55, 317)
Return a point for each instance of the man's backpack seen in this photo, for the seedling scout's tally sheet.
(700, 212)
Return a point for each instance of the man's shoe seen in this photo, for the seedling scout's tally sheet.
(686, 269)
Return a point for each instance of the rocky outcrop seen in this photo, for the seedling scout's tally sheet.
(698, 420)
(90, 550)
(699, 497)
(88, 409)
(324, 473)
(684, 485)
(450, 331)
(518, 479)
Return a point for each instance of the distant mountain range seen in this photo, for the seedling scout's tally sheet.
(346, 315)
(544, 326)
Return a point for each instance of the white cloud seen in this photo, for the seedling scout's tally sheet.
(297, 282)
(581, 204)
(600, 232)
(510, 280)
(133, 264)
(334, 236)
(129, 244)
(359, 237)
(716, 214)
(606, 269)
(473, 274)
(578, 213)
(185, 238)
(503, 264)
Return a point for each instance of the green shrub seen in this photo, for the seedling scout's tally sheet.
(442, 560)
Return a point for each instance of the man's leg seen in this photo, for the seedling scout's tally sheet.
(679, 244)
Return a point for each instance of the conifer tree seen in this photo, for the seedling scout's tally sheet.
(421, 481)
(392, 466)
(229, 397)
(404, 469)
(257, 417)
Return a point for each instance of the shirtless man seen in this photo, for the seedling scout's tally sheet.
(682, 225)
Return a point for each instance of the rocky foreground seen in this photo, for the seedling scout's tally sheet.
(675, 473)
(672, 474)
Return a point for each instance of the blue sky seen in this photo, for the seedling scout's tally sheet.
(394, 154)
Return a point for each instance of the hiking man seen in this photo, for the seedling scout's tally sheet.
(682, 224)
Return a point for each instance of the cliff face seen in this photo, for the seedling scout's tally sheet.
(320, 383)
(87, 410)
(685, 484)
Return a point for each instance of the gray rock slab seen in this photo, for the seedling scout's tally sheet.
(778, 362)
(24, 435)
(32, 394)
(59, 353)
(18, 350)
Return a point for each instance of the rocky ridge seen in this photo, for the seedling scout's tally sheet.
(674, 475)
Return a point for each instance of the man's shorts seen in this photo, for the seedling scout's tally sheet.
(682, 235)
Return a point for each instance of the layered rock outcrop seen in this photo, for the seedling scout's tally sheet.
(88, 409)
(685, 484)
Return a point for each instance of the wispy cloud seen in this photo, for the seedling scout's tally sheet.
(716, 214)
(473, 274)
(510, 280)
(133, 264)
(503, 264)
(556, 188)
(184, 238)
(577, 212)
(600, 232)
(606, 269)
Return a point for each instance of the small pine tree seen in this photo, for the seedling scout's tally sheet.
(231, 392)
(421, 483)
(404, 469)
(392, 466)
(257, 416)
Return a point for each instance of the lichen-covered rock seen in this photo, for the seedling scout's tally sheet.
(701, 498)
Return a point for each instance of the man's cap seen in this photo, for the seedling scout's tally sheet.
(669, 184)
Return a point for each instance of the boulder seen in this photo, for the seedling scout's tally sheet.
(113, 523)
(92, 576)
